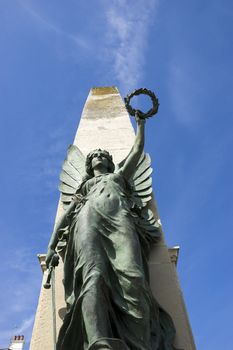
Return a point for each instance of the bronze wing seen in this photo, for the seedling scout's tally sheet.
(141, 186)
(73, 171)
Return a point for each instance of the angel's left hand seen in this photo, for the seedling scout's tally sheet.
(49, 256)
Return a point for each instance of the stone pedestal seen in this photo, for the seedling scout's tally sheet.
(105, 124)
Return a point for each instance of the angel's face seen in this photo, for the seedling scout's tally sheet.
(99, 159)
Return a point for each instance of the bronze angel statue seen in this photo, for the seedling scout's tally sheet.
(104, 237)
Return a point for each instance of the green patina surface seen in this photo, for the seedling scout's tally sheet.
(104, 238)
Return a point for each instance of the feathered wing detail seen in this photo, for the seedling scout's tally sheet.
(141, 182)
(141, 189)
(73, 171)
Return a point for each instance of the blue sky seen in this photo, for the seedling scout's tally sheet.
(51, 54)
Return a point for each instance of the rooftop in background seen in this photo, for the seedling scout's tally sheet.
(17, 342)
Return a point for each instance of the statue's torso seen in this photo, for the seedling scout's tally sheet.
(107, 193)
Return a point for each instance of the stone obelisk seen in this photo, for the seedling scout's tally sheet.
(105, 124)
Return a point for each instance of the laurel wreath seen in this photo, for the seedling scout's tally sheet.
(132, 111)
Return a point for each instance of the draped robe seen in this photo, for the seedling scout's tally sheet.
(109, 302)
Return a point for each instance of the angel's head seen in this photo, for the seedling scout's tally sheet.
(99, 158)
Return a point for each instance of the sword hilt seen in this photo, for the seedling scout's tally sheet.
(47, 284)
(54, 262)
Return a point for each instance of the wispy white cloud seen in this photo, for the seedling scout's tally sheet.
(21, 279)
(21, 294)
(127, 38)
(26, 324)
(48, 24)
(124, 45)
(23, 329)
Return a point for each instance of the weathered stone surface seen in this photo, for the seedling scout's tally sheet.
(105, 124)
(42, 336)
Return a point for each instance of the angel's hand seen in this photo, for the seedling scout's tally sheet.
(139, 120)
(50, 254)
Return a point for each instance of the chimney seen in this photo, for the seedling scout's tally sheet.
(17, 342)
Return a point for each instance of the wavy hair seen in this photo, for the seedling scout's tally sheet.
(90, 156)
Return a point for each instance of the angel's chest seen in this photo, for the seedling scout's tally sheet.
(107, 182)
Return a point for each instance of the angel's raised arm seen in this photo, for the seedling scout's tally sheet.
(132, 160)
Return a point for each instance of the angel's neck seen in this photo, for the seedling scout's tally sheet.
(101, 170)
